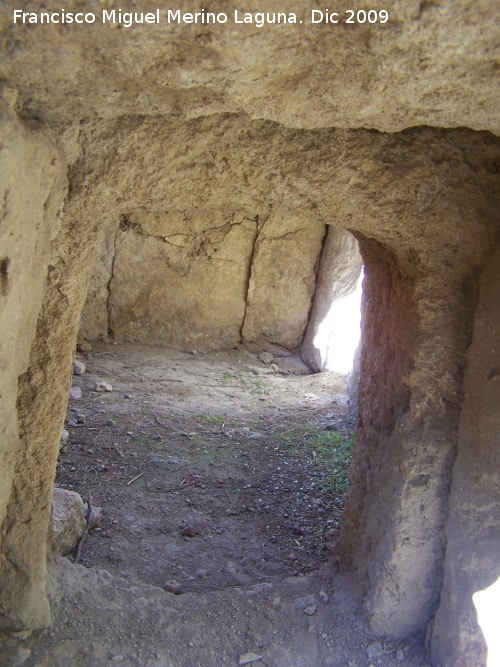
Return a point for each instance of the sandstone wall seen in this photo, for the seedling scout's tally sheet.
(203, 279)
(424, 207)
(213, 121)
(412, 360)
(192, 294)
(94, 321)
(473, 531)
(428, 65)
(397, 565)
(32, 186)
(282, 280)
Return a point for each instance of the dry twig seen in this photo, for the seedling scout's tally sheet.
(160, 423)
(169, 472)
(135, 478)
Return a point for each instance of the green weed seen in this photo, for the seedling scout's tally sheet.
(232, 376)
(258, 388)
(328, 450)
(213, 420)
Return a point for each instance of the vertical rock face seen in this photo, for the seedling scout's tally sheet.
(204, 279)
(180, 279)
(32, 184)
(473, 530)
(393, 570)
(282, 280)
(94, 322)
(409, 406)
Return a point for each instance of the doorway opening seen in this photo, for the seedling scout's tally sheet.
(339, 332)
(332, 339)
(222, 477)
(255, 433)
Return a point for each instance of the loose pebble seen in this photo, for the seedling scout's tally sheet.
(102, 386)
(310, 610)
(23, 654)
(95, 517)
(248, 658)
(266, 357)
(173, 587)
(78, 367)
(75, 394)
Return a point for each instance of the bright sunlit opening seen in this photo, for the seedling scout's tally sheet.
(487, 605)
(338, 334)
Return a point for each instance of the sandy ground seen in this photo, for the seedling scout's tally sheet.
(222, 481)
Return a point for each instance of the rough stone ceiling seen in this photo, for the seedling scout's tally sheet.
(433, 63)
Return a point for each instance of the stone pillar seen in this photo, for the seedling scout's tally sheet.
(473, 531)
(32, 188)
(392, 538)
(282, 281)
(41, 405)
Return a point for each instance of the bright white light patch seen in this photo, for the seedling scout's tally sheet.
(338, 334)
(487, 605)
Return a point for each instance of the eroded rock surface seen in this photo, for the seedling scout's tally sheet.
(32, 180)
(240, 126)
(180, 280)
(473, 535)
(282, 280)
(428, 65)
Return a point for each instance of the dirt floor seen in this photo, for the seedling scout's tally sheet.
(221, 480)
